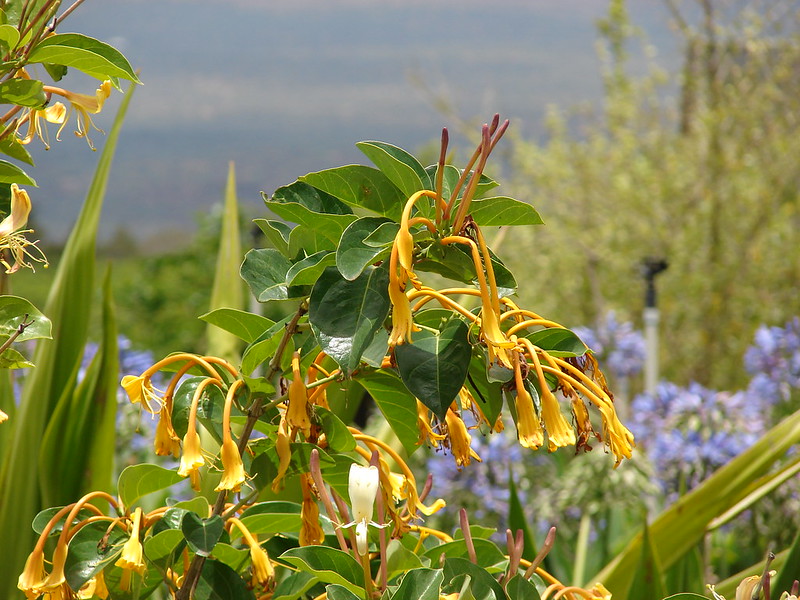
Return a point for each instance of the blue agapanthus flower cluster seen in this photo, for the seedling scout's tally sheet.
(774, 362)
(689, 432)
(619, 347)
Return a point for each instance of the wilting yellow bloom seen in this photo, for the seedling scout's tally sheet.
(33, 576)
(363, 488)
(297, 411)
(56, 113)
(744, 591)
(131, 559)
(311, 532)
(460, 439)
(426, 433)
(263, 571)
(83, 105)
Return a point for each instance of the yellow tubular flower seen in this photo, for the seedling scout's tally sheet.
(12, 234)
(18, 215)
(559, 432)
(131, 559)
(56, 578)
(33, 576)
(233, 475)
(192, 457)
(402, 322)
(529, 428)
(460, 440)
(297, 412)
(56, 113)
(263, 571)
(83, 105)
(311, 533)
(426, 433)
(166, 442)
(284, 455)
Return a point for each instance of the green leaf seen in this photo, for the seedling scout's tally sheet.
(483, 585)
(518, 521)
(422, 584)
(264, 347)
(488, 394)
(11, 147)
(294, 586)
(235, 558)
(434, 366)
(9, 36)
(308, 270)
(352, 254)
(339, 592)
(337, 434)
(503, 211)
(346, 314)
(244, 325)
(519, 588)
(400, 559)
(487, 552)
(384, 235)
(23, 92)
(139, 480)
(11, 359)
(648, 578)
(11, 173)
(219, 582)
(209, 407)
(329, 565)
(14, 310)
(43, 518)
(277, 234)
(397, 404)
(163, 547)
(402, 169)
(362, 186)
(86, 54)
(790, 568)
(201, 534)
(264, 270)
(267, 518)
(558, 342)
(91, 549)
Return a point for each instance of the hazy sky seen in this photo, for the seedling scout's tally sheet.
(286, 87)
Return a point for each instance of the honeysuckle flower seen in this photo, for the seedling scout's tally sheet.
(12, 234)
(529, 427)
(262, 570)
(33, 576)
(56, 579)
(297, 410)
(402, 321)
(192, 456)
(139, 391)
(311, 531)
(426, 432)
(459, 439)
(363, 488)
(55, 113)
(233, 475)
(131, 560)
(94, 588)
(83, 105)
(284, 454)
(3, 417)
(166, 441)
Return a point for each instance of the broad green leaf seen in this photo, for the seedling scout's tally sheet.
(361, 186)
(137, 587)
(488, 394)
(648, 578)
(209, 407)
(139, 480)
(304, 240)
(264, 270)
(86, 54)
(245, 325)
(91, 549)
(300, 198)
(346, 314)
(377, 349)
(263, 348)
(14, 310)
(483, 585)
(519, 588)
(163, 547)
(201, 534)
(402, 169)
(397, 404)
(336, 432)
(329, 565)
(219, 582)
(450, 178)
(558, 342)
(227, 290)
(384, 235)
(10, 173)
(11, 147)
(487, 552)
(339, 592)
(422, 584)
(455, 262)
(352, 254)
(308, 270)
(71, 291)
(235, 558)
(277, 234)
(12, 359)
(294, 586)
(503, 211)
(23, 92)
(434, 366)
(682, 525)
(400, 559)
(43, 518)
(9, 36)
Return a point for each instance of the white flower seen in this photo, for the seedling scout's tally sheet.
(363, 488)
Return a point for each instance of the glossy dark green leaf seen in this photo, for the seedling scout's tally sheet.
(648, 578)
(264, 270)
(263, 348)
(353, 255)
(139, 480)
(164, 547)
(483, 586)
(397, 404)
(201, 534)
(86, 54)
(558, 342)
(244, 325)
(43, 518)
(383, 235)
(329, 565)
(519, 588)
(362, 186)
(487, 552)
(137, 587)
(455, 262)
(277, 234)
(308, 270)
(346, 314)
(219, 582)
(294, 586)
(235, 558)
(209, 406)
(487, 394)
(23, 92)
(422, 584)
(336, 432)
(402, 169)
(339, 592)
(90, 551)
(300, 198)
(11, 173)
(273, 517)
(377, 349)
(434, 366)
(503, 211)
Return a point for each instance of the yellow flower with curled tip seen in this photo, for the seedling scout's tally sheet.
(56, 579)
(139, 391)
(12, 234)
(131, 560)
(166, 442)
(284, 455)
(56, 113)
(311, 531)
(192, 457)
(33, 576)
(297, 411)
(529, 428)
(83, 105)
(262, 570)
(459, 439)
(233, 475)
(402, 321)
